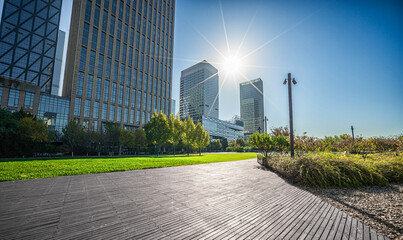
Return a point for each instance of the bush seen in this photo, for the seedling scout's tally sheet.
(339, 170)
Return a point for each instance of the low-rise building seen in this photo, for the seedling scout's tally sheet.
(219, 129)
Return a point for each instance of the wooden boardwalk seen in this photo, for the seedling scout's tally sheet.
(231, 200)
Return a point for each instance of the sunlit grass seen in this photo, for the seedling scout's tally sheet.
(18, 169)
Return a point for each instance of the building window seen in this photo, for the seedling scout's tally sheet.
(126, 115)
(145, 82)
(144, 101)
(143, 118)
(90, 81)
(124, 51)
(149, 102)
(96, 110)
(102, 43)
(117, 49)
(95, 125)
(77, 107)
(104, 111)
(96, 16)
(115, 70)
(100, 64)
(132, 116)
(83, 58)
(87, 108)
(120, 94)
(138, 117)
(119, 115)
(134, 78)
(112, 113)
(112, 25)
(105, 20)
(80, 84)
(133, 105)
(98, 89)
(114, 86)
(106, 91)
(108, 68)
(129, 75)
(13, 97)
(122, 73)
(130, 56)
(110, 46)
(91, 66)
(138, 99)
(88, 11)
(86, 31)
(94, 38)
(29, 100)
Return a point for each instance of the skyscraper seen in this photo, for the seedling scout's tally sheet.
(199, 92)
(119, 61)
(252, 109)
(57, 74)
(28, 36)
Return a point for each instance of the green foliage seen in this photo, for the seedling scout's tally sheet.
(240, 142)
(16, 169)
(140, 136)
(201, 137)
(157, 129)
(339, 170)
(188, 133)
(127, 138)
(73, 136)
(111, 135)
(176, 130)
(224, 143)
(235, 149)
(215, 145)
(263, 142)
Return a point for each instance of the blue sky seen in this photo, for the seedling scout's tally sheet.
(346, 56)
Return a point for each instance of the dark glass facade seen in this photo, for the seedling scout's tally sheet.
(28, 37)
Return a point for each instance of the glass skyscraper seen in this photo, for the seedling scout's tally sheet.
(57, 75)
(199, 92)
(119, 61)
(28, 37)
(252, 108)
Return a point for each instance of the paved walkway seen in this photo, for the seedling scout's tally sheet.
(211, 201)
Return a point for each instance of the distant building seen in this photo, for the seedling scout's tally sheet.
(236, 120)
(28, 37)
(199, 92)
(57, 73)
(219, 129)
(252, 109)
(173, 107)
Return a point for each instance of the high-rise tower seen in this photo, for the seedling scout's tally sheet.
(28, 37)
(199, 92)
(252, 108)
(119, 61)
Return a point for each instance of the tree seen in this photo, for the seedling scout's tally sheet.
(282, 131)
(91, 140)
(263, 142)
(201, 137)
(140, 137)
(73, 135)
(157, 130)
(224, 143)
(32, 133)
(112, 134)
(240, 142)
(127, 138)
(176, 130)
(215, 145)
(281, 142)
(188, 136)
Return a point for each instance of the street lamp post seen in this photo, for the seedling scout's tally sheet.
(290, 110)
(265, 123)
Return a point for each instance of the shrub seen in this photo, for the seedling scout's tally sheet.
(338, 170)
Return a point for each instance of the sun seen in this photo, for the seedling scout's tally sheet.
(231, 65)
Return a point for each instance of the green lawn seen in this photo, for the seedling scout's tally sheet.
(17, 169)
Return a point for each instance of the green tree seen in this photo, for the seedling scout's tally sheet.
(188, 133)
(201, 137)
(73, 135)
(281, 142)
(224, 143)
(263, 142)
(33, 134)
(240, 142)
(127, 138)
(112, 135)
(140, 136)
(92, 139)
(176, 130)
(157, 130)
(215, 145)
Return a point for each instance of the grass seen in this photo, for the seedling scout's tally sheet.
(18, 169)
(327, 170)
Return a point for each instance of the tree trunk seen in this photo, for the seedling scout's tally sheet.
(120, 150)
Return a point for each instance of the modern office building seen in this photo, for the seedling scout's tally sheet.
(53, 110)
(119, 61)
(57, 73)
(252, 109)
(199, 92)
(28, 37)
(219, 129)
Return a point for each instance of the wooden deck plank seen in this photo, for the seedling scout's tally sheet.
(232, 200)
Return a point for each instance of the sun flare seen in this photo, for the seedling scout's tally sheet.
(231, 65)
